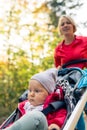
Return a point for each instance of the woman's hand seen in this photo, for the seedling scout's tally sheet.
(59, 67)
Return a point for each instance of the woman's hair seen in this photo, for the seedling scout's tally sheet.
(71, 21)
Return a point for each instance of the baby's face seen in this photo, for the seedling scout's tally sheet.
(37, 93)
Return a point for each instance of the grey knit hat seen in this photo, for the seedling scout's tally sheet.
(47, 79)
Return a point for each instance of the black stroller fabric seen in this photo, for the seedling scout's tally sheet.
(74, 83)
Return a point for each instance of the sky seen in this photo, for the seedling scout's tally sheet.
(81, 16)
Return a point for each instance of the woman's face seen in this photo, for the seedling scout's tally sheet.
(66, 27)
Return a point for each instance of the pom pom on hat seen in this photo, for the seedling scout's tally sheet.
(47, 79)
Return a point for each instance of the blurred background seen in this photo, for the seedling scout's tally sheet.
(28, 36)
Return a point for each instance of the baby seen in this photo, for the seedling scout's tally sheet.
(41, 94)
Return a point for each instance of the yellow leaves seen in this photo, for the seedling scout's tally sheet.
(1, 20)
(18, 11)
(42, 8)
(23, 3)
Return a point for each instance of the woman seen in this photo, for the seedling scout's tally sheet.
(72, 47)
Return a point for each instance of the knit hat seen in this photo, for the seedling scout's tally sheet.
(47, 79)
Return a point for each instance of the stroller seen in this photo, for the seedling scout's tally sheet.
(74, 83)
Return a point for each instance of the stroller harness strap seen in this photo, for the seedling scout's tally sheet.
(54, 106)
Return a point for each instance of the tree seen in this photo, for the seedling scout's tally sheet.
(62, 7)
(30, 36)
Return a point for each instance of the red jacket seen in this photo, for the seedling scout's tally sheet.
(56, 117)
(76, 50)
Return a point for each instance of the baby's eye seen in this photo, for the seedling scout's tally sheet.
(37, 91)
